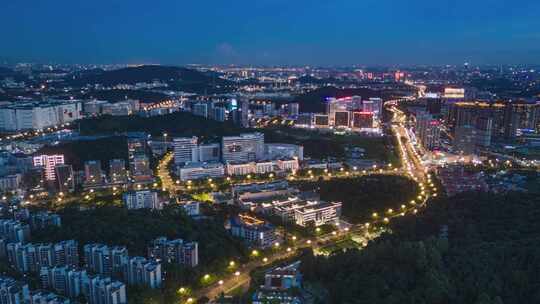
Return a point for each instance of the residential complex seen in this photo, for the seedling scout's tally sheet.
(175, 251)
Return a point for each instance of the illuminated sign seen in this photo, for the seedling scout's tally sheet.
(454, 93)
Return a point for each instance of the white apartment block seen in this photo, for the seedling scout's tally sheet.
(319, 214)
(38, 115)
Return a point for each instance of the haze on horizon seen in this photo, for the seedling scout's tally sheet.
(272, 32)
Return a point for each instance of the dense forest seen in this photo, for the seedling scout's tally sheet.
(361, 196)
(175, 124)
(473, 248)
(137, 228)
(322, 145)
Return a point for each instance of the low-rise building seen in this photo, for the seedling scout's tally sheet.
(318, 214)
(277, 286)
(253, 230)
(142, 199)
(285, 151)
(192, 171)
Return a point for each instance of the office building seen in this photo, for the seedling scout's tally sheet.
(428, 131)
(465, 140)
(286, 165)
(362, 120)
(48, 163)
(284, 151)
(283, 277)
(105, 260)
(341, 119)
(277, 286)
(434, 106)
(192, 208)
(484, 129)
(245, 168)
(117, 171)
(194, 171)
(140, 271)
(209, 152)
(140, 168)
(219, 114)
(243, 148)
(293, 109)
(319, 214)
(200, 109)
(174, 251)
(259, 191)
(185, 150)
(334, 105)
(305, 120)
(377, 105)
(136, 146)
(142, 199)
(321, 121)
(254, 231)
(92, 172)
(369, 106)
(64, 178)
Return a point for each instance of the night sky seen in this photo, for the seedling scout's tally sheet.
(316, 32)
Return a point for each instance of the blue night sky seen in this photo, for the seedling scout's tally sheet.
(319, 32)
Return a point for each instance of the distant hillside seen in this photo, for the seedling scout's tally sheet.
(176, 77)
(120, 95)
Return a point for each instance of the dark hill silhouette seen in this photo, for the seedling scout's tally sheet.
(176, 77)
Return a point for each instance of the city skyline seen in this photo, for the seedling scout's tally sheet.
(272, 32)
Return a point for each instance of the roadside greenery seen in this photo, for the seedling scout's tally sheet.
(474, 248)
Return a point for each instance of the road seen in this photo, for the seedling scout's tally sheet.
(411, 165)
